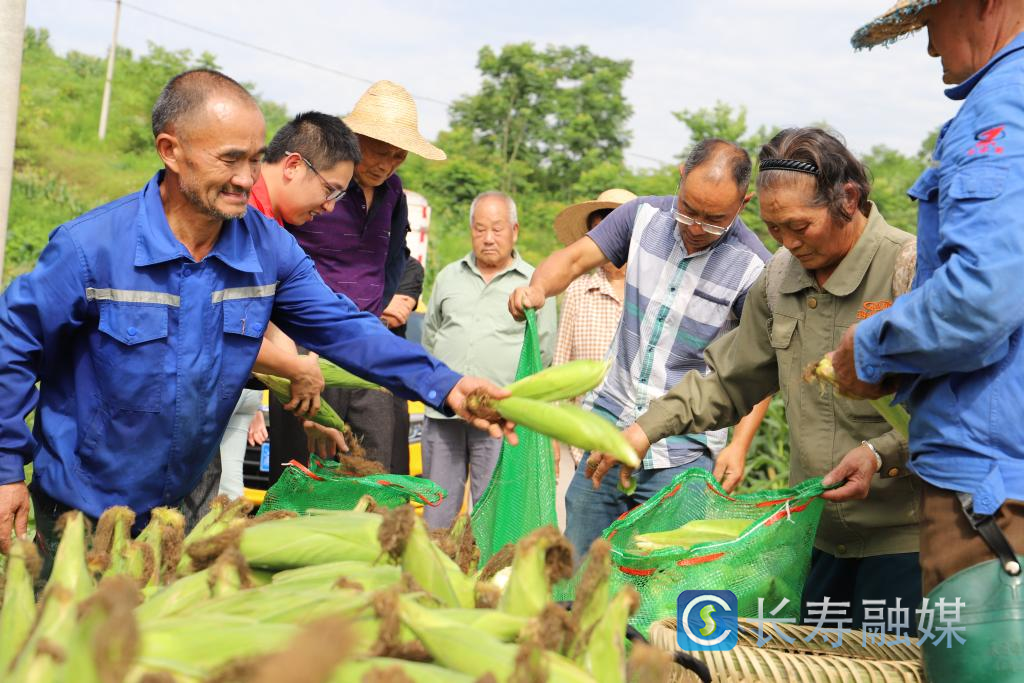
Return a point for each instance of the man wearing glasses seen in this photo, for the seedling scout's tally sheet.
(308, 163)
(690, 261)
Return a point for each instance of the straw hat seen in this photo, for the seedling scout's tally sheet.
(571, 223)
(387, 112)
(902, 18)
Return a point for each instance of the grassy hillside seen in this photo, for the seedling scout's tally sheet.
(61, 167)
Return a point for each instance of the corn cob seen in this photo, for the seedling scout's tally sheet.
(561, 382)
(18, 611)
(70, 581)
(369, 577)
(105, 639)
(541, 559)
(569, 424)
(896, 415)
(404, 536)
(220, 517)
(335, 376)
(592, 594)
(281, 389)
(692, 533)
(165, 536)
(303, 541)
(605, 653)
(194, 646)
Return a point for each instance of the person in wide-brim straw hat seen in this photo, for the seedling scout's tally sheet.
(359, 249)
(387, 112)
(902, 18)
(573, 222)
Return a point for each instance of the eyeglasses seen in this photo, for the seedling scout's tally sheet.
(686, 221)
(333, 193)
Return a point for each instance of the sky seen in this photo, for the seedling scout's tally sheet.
(789, 62)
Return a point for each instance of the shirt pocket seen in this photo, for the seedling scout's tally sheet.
(245, 322)
(134, 351)
(787, 355)
(978, 181)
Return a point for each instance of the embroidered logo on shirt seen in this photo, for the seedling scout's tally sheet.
(869, 308)
(986, 141)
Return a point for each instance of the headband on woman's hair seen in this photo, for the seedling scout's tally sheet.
(787, 165)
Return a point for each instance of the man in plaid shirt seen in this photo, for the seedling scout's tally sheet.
(691, 261)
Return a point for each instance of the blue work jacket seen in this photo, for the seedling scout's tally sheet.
(141, 352)
(957, 334)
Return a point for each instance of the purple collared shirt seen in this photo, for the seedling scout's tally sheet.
(357, 252)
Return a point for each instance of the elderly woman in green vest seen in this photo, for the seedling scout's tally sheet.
(836, 268)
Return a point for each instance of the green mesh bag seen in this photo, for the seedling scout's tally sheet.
(521, 494)
(324, 486)
(769, 560)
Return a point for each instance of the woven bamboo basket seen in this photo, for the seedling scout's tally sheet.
(799, 662)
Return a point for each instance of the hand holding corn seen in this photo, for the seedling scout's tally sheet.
(599, 463)
(496, 426)
(846, 379)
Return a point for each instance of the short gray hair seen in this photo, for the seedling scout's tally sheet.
(187, 92)
(513, 215)
(737, 158)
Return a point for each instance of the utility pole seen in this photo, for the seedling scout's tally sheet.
(12, 38)
(105, 108)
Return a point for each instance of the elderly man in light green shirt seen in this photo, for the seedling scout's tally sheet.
(468, 326)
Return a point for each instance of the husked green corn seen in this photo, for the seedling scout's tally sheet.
(569, 424)
(561, 382)
(692, 533)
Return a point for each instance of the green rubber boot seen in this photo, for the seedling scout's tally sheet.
(993, 617)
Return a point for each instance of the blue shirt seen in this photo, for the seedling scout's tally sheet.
(957, 335)
(141, 352)
(675, 305)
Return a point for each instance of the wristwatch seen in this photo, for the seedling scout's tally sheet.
(878, 458)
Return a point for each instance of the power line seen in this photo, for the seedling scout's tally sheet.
(312, 65)
(260, 48)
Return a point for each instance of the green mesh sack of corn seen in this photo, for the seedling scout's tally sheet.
(338, 485)
(521, 494)
(692, 535)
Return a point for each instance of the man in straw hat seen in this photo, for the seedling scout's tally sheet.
(359, 247)
(592, 304)
(691, 262)
(953, 345)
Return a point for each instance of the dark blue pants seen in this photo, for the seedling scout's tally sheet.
(853, 580)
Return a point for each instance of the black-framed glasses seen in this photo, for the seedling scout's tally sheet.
(687, 221)
(333, 193)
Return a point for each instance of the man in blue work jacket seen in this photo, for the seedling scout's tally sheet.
(952, 346)
(142, 319)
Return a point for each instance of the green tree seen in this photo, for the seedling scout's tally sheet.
(892, 174)
(545, 117)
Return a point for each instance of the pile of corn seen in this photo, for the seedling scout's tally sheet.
(330, 597)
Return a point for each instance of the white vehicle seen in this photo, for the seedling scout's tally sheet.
(419, 225)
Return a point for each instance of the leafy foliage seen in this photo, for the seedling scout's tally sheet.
(61, 168)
